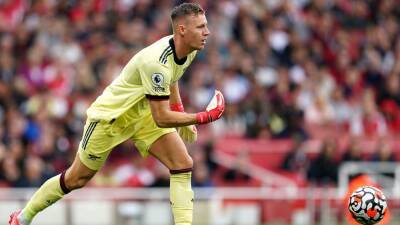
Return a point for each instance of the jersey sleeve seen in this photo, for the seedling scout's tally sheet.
(156, 80)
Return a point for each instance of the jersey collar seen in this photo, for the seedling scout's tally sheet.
(177, 61)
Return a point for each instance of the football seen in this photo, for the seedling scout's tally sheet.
(367, 205)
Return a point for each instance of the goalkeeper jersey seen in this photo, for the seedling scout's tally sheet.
(149, 74)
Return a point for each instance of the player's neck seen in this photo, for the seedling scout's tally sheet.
(180, 49)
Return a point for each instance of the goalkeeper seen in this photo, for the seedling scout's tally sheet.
(142, 104)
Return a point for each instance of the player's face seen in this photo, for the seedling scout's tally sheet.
(196, 31)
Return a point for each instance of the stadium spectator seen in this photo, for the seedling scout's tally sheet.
(383, 153)
(34, 173)
(11, 171)
(368, 120)
(353, 153)
(201, 176)
(201, 171)
(238, 174)
(161, 175)
(296, 160)
(323, 169)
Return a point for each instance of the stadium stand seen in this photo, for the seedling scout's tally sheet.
(309, 69)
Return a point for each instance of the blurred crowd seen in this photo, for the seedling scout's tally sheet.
(283, 65)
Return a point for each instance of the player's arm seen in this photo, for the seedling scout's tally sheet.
(187, 133)
(156, 81)
(164, 117)
(165, 101)
(175, 100)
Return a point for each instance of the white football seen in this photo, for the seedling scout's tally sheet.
(367, 205)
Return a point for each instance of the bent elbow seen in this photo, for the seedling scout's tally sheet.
(161, 124)
(162, 119)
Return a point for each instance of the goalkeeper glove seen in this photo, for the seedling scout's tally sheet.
(214, 109)
(187, 133)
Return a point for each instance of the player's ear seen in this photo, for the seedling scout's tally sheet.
(181, 29)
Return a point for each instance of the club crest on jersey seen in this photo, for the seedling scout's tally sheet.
(158, 81)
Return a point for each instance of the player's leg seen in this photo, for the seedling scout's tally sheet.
(76, 176)
(95, 146)
(172, 152)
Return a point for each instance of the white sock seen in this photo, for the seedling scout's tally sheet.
(22, 220)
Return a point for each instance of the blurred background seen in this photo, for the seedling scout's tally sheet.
(313, 99)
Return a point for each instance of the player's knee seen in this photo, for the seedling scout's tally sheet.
(185, 163)
(189, 163)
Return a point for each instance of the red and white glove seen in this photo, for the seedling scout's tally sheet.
(187, 133)
(214, 109)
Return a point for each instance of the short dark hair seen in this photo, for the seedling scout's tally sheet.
(185, 9)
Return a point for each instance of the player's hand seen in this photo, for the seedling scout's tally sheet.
(188, 133)
(214, 109)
